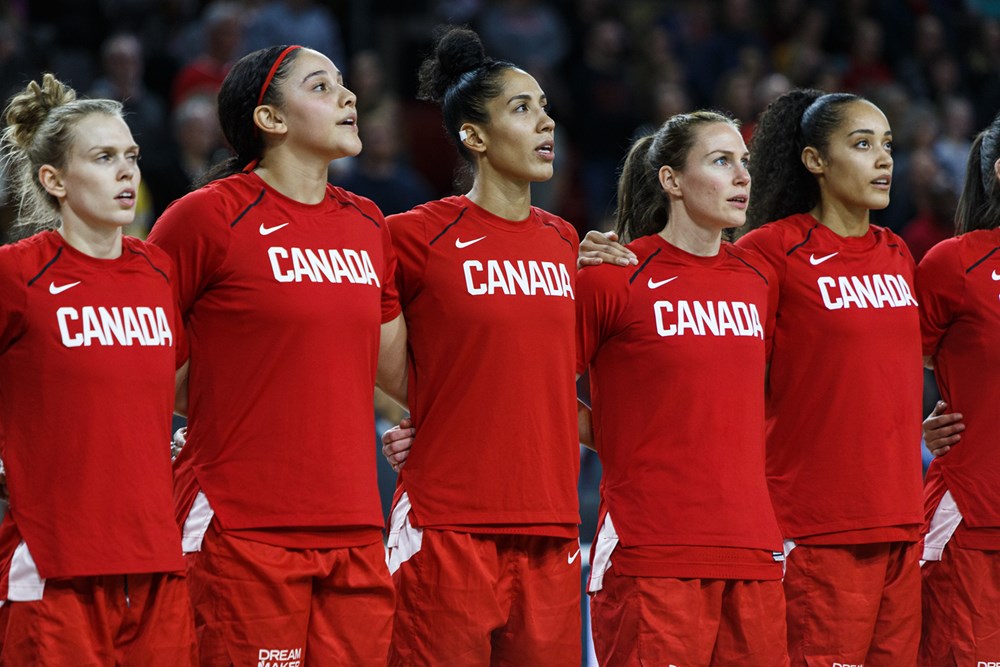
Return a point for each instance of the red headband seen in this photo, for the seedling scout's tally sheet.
(274, 68)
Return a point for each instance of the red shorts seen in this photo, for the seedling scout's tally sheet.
(472, 600)
(961, 607)
(258, 603)
(138, 619)
(853, 604)
(690, 622)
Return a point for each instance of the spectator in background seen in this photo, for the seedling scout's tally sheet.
(196, 143)
(983, 62)
(604, 115)
(936, 204)
(304, 22)
(220, 38)
(951, 149)
(866, 66)
(530, 33)
(123, 66)
(927, 47)
(381, 172)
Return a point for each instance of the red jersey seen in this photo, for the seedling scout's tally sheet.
(958, 283)
(676, 352)
(283, 302)
(88, 352)
(490, 324)
(845, 384)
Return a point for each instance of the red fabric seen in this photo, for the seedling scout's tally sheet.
(845, 380)
(957, 285)
(88, 351)
(490, 324)
(853, 605)
(139, 620)
(665, 343)
(961, 609)
(469, 600)
(261, 604)
(691, 622)
(283, 302)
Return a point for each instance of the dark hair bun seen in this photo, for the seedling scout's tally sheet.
(459, 50)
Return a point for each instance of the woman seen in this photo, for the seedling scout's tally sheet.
(484, 536)
(89, 343)
(957, 290)
(844, 384)
(285, 285)
(687, 563)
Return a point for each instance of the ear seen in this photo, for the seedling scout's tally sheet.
(472, 138)
(670, 181)
(996, 169)
(269, 120)
(812, 160)
(51, 179)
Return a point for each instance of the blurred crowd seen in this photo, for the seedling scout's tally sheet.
(611, 69)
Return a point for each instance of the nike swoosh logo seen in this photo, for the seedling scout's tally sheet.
(996, 276)
(62, 288)
(264, 231)
(459, 243)
(570, 559)
(653, 284)
(816, 261)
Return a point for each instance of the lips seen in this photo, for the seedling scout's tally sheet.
(739, 200)
(546, 151)
(882, 182)
(350, 121)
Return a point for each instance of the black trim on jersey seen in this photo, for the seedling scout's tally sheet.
(155, 267)
(355, 206)
(804, 241)
(986, 257)
(247, 209)
(748, 264)
(46, 267)
(639, 270)
(449, 226)
(549, 224)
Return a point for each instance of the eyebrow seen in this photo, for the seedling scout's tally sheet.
(525, 96)
(725, 152)
(888, 133)
(321, 72)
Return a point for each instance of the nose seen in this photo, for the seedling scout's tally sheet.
(548, 124)
(742, 174)
(350, 99)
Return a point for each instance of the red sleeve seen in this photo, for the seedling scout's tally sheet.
(766, 242)
(410, 245)
(940, 286)
(601, 297)
(194, 233)
(14, 301)
(391, 307)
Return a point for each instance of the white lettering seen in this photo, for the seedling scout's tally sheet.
(869, 291)
(701, 318)
(528, 278)
(126, 326)
(298, 265)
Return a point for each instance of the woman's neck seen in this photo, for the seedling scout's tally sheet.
(294, 178)
(683, 233)
(503, 198)
(842, 220)
(101, 242)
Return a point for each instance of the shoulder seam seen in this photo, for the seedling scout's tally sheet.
(247, 209)
(643, 266)
(46, 267)
(449, 226)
